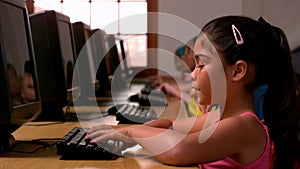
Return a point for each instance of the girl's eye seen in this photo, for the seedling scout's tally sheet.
(200, 66)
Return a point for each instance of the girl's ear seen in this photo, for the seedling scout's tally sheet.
(239, 70)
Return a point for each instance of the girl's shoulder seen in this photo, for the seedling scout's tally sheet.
(251, 136)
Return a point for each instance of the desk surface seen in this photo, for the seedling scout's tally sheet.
(47, 158)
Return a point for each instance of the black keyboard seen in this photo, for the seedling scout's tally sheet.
(131, 114)
(74, 147)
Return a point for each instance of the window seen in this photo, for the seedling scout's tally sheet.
(109, 15)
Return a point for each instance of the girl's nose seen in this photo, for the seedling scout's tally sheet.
(193, 75)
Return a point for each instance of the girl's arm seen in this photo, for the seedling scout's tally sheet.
(183, 125)
(160, 123)
(176, 148)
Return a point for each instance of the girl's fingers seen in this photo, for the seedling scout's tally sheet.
(100, 133)
(113, 135)
(100, 127)
(97, 131)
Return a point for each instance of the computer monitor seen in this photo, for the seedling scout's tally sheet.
(122, 48)
(101, 53)
(115, 59)
(19, 98)
(86, 57)
(53, 41)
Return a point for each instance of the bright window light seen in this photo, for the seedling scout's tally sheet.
(41, 5)
(77, 10)
(105, 16)
(133, 9)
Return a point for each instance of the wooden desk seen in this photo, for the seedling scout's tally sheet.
(47, 159)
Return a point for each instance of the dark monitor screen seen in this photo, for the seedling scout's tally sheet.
(118, 55)
(99, 44)
(55, 53)
(117, 78)
(19, 89)
(123, 49)
(67, 52)
(114, 57)
(85, 62)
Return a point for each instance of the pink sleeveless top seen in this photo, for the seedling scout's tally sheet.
(227, 163)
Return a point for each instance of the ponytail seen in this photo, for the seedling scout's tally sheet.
(282, 106)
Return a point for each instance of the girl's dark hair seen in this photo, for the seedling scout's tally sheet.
(266, 48)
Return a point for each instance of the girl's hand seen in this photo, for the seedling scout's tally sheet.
(156, 80)
(204, 108)
(170, 89)
(101, 133)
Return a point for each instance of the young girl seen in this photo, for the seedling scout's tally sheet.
(253, 53)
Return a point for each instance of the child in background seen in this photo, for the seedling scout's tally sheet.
(184, 62)
(252, 53)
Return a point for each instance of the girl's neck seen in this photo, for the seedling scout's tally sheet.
(237, 104)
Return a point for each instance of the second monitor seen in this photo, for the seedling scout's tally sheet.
(85, 60)
(54, 52)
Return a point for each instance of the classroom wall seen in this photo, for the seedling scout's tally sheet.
(282, 13)
(195, 13)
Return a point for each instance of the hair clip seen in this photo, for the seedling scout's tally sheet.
(239, 40)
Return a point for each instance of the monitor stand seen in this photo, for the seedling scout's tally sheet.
(7, 141)
(51, 112)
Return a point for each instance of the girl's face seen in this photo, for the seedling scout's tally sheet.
(201, 81)
(208, 75)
